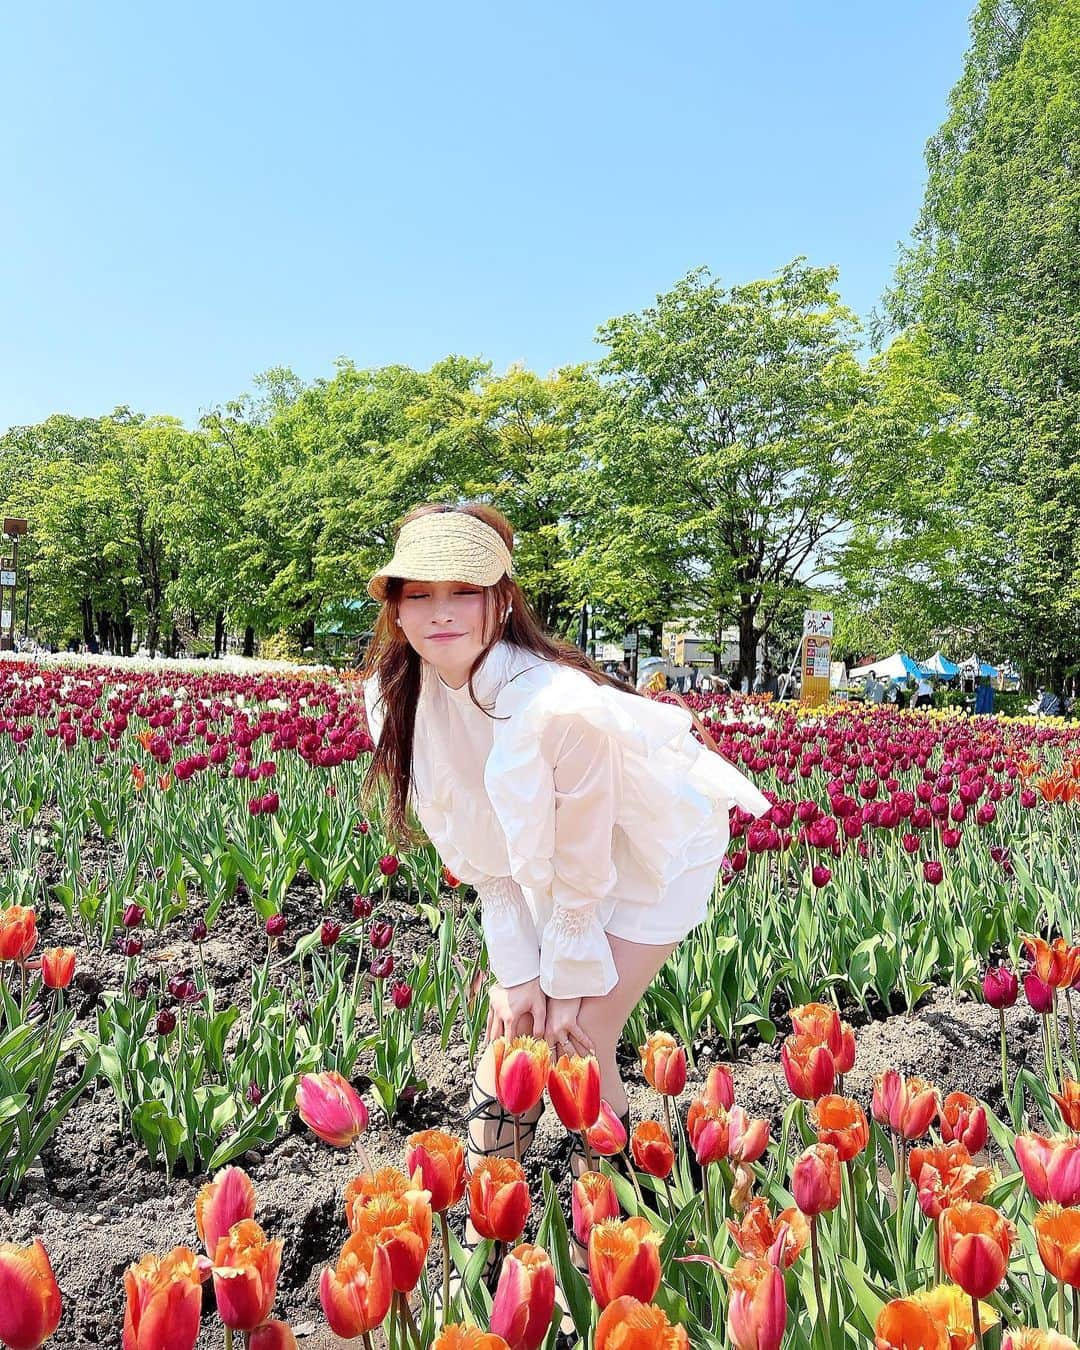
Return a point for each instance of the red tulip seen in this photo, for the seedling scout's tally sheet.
(225, 1200)
(522, 1066)
(809, 1067)
(757, 1306)
(1039, 994)
(607, 1137)
(708, 1129)
(906, 1106)
(18, 933)
(272, 1335)
(747, 1138)
(330, 1107)
(574, 1088)
(1051, 1167)
(815, 1180)
(245, 1273)
(440, 1159)
(663, 1060)
(524, 1298)
(720, 1087)
(976, 1242)
(164, 1300)
(652, 1149)
(499, 1200)
(30, 1303)
(962, 1118)
(401, 1224)
(57, 967)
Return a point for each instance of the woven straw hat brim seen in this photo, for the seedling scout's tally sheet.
(445, 546)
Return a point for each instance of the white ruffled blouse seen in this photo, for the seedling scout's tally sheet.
(575, 799)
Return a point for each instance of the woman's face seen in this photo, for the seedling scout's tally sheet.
(444, 622)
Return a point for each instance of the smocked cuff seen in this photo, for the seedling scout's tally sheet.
(509, 931)
(575, 955)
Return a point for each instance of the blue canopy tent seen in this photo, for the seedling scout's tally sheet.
(941, 665)
(897, 668)
(974, 667)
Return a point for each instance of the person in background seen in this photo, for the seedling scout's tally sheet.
(873, 689)
(770, 684)
(984, 698)
(924, 692)
(1049, 704)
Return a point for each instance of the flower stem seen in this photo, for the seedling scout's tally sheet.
(1004, 1057)
(1072, 1033)
(228, 1338)
(705, 1200)
(815, 1254)
(1061, 1306)
(445, 1266)
(667, 1116)
(517, 1140)
(634, 1181)
(976, 1323)
(898, 1148)
(849, 1170)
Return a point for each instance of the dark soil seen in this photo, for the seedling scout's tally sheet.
(98, 1205)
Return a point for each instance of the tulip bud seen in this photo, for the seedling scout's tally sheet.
(524, 1299)
(129, 945)
(254, 1094)
(165, 1022)
(720, 1087)
(815, 1180)
(1051, 1167)
(906, 1106)
(401, 994)
(275, 926)
(329, 932)
(381, 935)
(31, 1305)
(574, 1088)
(388, 865)
(522, 1066)
(499, 1200)
(57, 967)
(225, 1200)
(933, 872)
(592, 1199)
(608, 1136)
(1040, 995)
(808, 1066)
(664, 1063)
(1000, 987)
(651, 1149)
(133, 915)
(362, 906)
(164, 1299)
(329, 1106)
(199, 931)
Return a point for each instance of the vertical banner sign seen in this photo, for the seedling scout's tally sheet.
(816, 657)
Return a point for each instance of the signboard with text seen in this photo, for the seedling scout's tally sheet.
(816, 656)
(7, 577)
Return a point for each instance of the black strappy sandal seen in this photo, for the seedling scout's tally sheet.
(620, 1161)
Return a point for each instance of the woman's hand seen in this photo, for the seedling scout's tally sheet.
(564, 1033)
(509, 1008)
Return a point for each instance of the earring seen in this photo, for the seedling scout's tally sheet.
(398, 622)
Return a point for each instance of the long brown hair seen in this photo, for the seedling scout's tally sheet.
(399, 668)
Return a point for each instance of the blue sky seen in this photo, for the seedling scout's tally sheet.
(195, 193)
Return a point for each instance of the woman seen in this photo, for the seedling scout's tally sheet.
(590, 821)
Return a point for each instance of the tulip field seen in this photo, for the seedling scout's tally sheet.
(237, 1032)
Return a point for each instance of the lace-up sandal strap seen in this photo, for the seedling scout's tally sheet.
(489, 1110)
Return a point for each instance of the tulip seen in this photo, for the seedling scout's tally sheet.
(329, 932)
(245, 1273)
(841, 1122)
(388, 865)
(962, 1118)
(362, 906)
(663, 1061)
(952, 1309)
(456, 1336)
(222, 1202)
(976, 1242)
(165, 1022)
(401, 1225)
(820, 1023)
(815, 1180)
(401, 994)
(904, 1324)
(708, 1129)
(624, 1258)
(133, 915)
(440, 1160)
(809, 1067)
(1031, 1338)
(522, 1066)
(628, 1324)
(592, 1199)
(164, 1300)
(845, 1060)
(720, 1087)
(499, 1200)
(747, 1138)
(1051, 1167)
(757, 1305)
(356, 1293)
(906, 1106)
(933, 872)
(30, 1303)
(382, 966)
(757, 1234)
(272, 1335)
(524, 1299)
(330, 1107)
(1057, 1233)
(1056, 963)
(1068, 1101)
(275, 926)
(943, 1174)
(361, 1190)
(18, 933)
(57, 967)
(380, 935)
(574, 1088)
(652, 1149)
(1000, 987)
(607, 1136)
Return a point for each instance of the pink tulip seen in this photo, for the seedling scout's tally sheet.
(1051, 1167)
(330, 1107)
(225, 1200)
(524, 1298)
(747, 1139)
(607, 1137)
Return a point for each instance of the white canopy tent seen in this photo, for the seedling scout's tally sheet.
(899, 666)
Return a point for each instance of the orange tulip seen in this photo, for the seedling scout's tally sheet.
(401, 1225)
(30, 1303)
(164, 1300)
(628, 1324)
(808, 1066)
(976, 1242)
(720, 1087)
(222, 1202)
(747, 1138)
(57, 967)
(624, 1258)
(521, 1072)
(330, 1106)
(663, 1060)
(592, 1199)
(499, 1200)
(904, 1324)
(440, 1160)
(950, 1307)
(708, 1130)
(138, 776)
(245, 1275)
(574, 1088)
(820, 1023)
(757, 1305)
(356, 1293)
(652, 1149)
(456, 1336)
(1056, 963)
(164, 781)
(1068, 1101)
(1031, 1338)
(815, 1180)
(361, 1190)
(607, 1136)
(524, 1298)
(757, 1233)
(963, 1118)
(841, 1122)
(18, 933)
(845, 1060)
(1051, 1167)
(272, 1335)
(943, 1174)
(905, 1105)
(1057, 1232)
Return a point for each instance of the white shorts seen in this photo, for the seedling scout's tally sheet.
(681, 908)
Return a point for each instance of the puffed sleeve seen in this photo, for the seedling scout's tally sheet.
(575, 955)
(509, 931)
